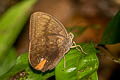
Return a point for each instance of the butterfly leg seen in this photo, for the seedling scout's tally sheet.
(77, 47)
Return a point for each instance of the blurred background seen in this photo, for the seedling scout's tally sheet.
(88, 17)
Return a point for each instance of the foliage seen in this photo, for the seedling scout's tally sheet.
(8, 62)
(78, 64)
(82, 66)
(11, 23)
(111, 34)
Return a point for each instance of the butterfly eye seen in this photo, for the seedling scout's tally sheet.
(70, 35)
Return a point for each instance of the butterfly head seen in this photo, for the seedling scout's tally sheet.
(70, 36)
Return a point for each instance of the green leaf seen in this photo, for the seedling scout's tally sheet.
(9, 62)
(21, 64)
(111, 34)
(11, 23)
(93, 76)
(78, 64)
(37, 75)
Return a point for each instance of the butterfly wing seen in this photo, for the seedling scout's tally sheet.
(48, 41)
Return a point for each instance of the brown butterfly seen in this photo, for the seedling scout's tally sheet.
(49, 41)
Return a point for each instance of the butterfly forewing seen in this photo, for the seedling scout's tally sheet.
(48, 40)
